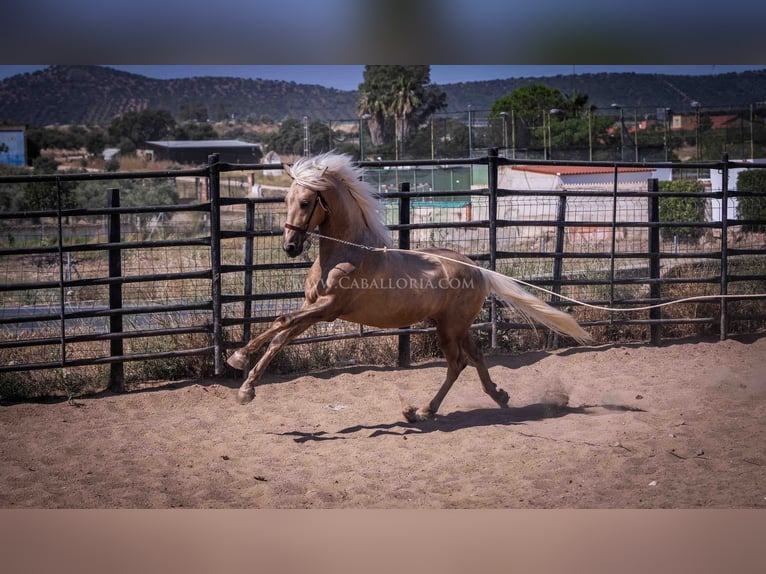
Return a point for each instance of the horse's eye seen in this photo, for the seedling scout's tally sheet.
(304, 204)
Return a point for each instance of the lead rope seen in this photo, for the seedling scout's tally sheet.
(537, 287)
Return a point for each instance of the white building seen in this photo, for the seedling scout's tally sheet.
(716, 183)
(557, 177)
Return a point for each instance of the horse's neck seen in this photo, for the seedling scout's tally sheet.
(346, 222)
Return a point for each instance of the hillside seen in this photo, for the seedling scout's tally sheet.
(96, 94)
(628, 89)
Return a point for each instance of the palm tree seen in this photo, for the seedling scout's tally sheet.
(405, 101)
(403, 93)
(372, 103)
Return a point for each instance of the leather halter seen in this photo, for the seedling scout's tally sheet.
(319, 201)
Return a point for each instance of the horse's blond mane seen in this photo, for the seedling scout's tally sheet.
(316, 173)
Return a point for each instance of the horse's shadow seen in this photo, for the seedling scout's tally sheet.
(460, 420)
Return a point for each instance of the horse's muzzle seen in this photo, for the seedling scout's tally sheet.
(292, 242)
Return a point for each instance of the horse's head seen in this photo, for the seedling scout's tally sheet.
(306, 208)
(354, 207)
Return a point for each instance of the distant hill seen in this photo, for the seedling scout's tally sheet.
(97, 94)
(647, 91)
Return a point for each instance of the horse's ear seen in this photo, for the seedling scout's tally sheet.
(287, 170)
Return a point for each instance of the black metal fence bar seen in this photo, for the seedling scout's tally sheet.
(214, 193)
(404, 349)
(492, 185)
(724, 318)
(655, 329)
(116, 348)
(62, 289)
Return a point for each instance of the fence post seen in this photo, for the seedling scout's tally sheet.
(558, 256)
(724, 317)
(558, 260)
(614, 240)
(404, 243)
(655, 327)
(248, 287)
(114, 232)
(492, 169)
(62, 288)
(214, 195)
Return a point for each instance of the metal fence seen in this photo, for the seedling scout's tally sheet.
(107, 289)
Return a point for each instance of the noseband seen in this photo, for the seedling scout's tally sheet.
(319, 201)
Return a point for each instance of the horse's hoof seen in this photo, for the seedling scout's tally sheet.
(417, 415)
(237, 360)
(245, 396)
(502, 398)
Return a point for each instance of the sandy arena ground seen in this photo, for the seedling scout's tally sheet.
(616, 426)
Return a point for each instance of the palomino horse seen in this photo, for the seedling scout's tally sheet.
(360, 278)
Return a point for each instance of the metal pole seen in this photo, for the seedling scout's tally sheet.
(492, 176)
(752, 148)
(724, 318)
(404, 243)
(614, 240)
(558, 259)
(655, 328)
(470, 136)
(505, 133)
(214, 193)
(590, 133)
(622, 135)
(513, 134)
(116, 370)
(432, 144)
(248, 287)
(62, 289)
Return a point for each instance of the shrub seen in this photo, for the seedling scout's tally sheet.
(752, 207)
(682, 209)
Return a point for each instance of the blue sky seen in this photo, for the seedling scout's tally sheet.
(348, 77)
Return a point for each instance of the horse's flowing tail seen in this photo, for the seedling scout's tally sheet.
(533, 309)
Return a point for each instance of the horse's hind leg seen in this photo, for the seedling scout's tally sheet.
(456, 362)
(477, 359)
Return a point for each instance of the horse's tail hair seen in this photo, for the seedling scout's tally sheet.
(533, 309)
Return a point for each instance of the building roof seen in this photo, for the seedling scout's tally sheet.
(197, 144)
(576, 169)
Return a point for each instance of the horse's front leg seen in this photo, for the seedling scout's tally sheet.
(238, 359)
(286, 328)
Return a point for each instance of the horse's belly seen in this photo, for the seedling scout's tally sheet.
(390, 314)
(407, 288)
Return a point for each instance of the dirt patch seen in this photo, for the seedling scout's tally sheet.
(619, 426)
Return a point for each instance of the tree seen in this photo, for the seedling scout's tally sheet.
(143, 126)
(372, 103)
(194, 131)
(404, 93)
(528, 103)
(543, 114)
(95, 141)
(193, 113)
(406, 98)
(290, 139)
(139, 193)
(41, 195)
